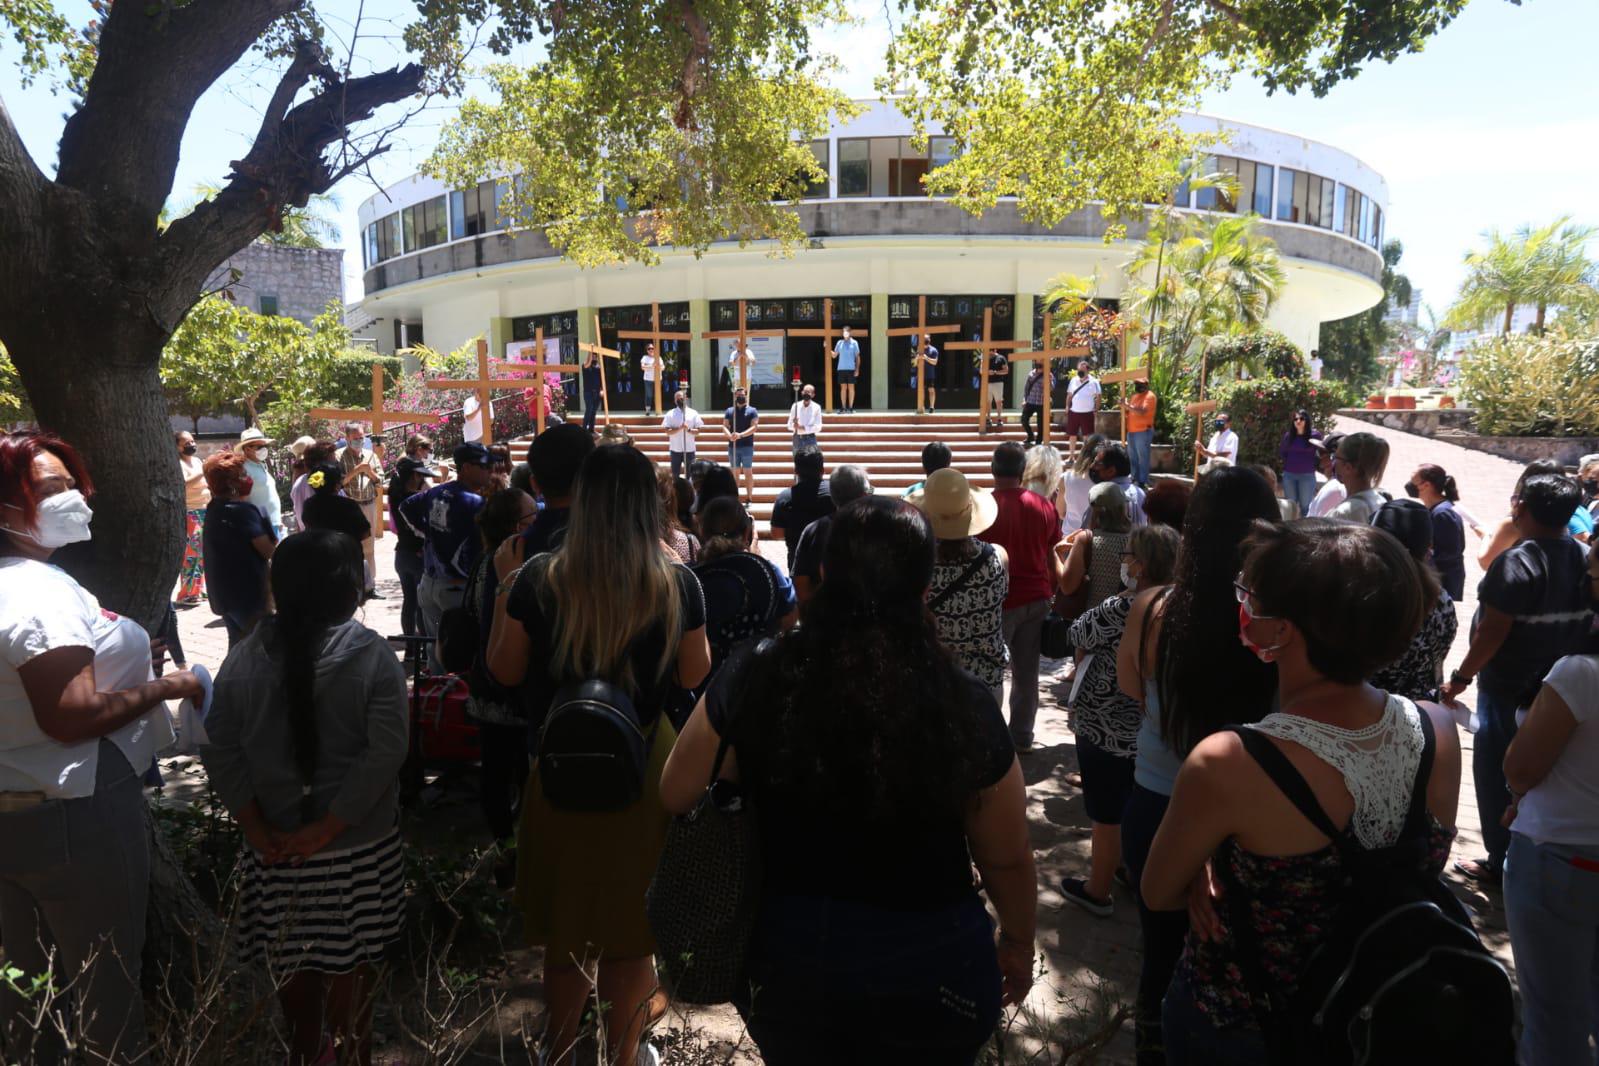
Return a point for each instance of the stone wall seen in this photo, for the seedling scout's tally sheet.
(1456, 425)
(303, 280)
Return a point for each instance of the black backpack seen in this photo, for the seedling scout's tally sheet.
(1401, 977)
(592, 752)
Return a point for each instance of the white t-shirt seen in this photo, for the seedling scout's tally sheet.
(678, 422)
(1358, 508)
(648, 363)
(1225, 444)
(1077, 488)
(1331, 495)
(42, 609)
(805, 419)
(1563, 808)
(1315, 369)
(1083, 394)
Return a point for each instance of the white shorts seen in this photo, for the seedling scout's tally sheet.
(996, 390)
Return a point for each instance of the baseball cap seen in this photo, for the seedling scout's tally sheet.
(473, 453)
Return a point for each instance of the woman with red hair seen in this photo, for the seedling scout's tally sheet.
(238, 541)
(75, 866)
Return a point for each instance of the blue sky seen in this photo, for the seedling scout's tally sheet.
(1495, 124)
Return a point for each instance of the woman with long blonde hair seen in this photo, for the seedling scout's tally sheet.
(611, 605)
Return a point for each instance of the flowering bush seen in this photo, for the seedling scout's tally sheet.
(1262, 411)
(1265, 353)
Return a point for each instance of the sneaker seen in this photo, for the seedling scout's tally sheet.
(1076, 891)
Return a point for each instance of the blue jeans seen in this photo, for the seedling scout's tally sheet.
(804, 440)
(1301, 488)
(1191, 1040)
(1139, 443)
(1164, 931)
(591, 409)
(1493, 739)
(408, 568)
(1552, 908)
(827, 974)
(681, 461)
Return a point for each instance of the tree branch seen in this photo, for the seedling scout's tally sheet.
(21, 186)
(699, 50)
(154, 64)
(285, 169)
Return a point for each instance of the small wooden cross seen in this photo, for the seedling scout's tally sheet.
(1199, 411)
(986, 345)
(655, 336)
(921, 331)
(827, 333)
(1046, 356)
(744, 337)
(604, 353)
(540, 369)
(1113, 377)
(378, 418)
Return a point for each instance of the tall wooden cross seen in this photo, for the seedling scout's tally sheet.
(655, 336)
(602, 353)
(1201, 408)
(827, 333)
(540, 368)
(744, 337)
(985, 346)
(378, 417)
(1122, 377)
(1046, 357)
(921, 331)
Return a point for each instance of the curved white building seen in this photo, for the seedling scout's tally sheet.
(441, 268)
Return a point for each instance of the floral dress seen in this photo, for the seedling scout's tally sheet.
(191, 578)
(1099, 712)
(969, 619)
(1417, 672)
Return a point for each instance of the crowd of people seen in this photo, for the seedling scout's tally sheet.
(1256, 693)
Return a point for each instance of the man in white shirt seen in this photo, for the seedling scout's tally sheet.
(1332, 491)
(1223, 443)
(847, 355)
(1315, 365)
(740, 358)
(1082, 402)
(651, 366)
(805, 419)
(682, 424)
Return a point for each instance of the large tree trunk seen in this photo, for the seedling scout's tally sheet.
(110, 407)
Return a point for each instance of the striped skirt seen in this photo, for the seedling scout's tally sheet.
(337, 911)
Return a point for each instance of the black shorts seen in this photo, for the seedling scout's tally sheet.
(1107, 782)
(845, 377)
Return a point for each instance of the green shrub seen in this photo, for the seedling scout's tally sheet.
(1264, 353)
(349, 382)
(1530, 386)
(1262, 410)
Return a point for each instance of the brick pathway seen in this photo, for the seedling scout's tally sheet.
(1082, 953)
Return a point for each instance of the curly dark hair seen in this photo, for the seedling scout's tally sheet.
(1205, 678)
(862, 712)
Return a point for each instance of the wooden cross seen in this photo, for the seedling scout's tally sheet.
(827, 333)
(1115, 376)
(987, 344)
(744, 337)
(921, 331)
(604, 353)
(378, 418)
(1199, 411)
(540, 368)
(1046, 357)
(655, 337)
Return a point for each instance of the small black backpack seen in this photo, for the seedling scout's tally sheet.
(592, 751)
(1401, 977)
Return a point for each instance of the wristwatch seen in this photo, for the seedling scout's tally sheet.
(1458, 678)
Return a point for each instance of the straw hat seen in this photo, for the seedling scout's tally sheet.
(300, 445)
(953, 508)
(253, 436)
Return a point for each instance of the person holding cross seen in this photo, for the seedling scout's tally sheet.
(1139, 410)
(1082, 402)
(805, 419)
(1033, 403)
(593, 390)
(650, 366)
(847, 357)
(740, 357)
(682, 424)
(360, 468)
(929, 359)
(998, 375)
(740, 423)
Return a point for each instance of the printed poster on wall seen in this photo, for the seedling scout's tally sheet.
(768, 353)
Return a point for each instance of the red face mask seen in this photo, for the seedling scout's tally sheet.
(1264, 653)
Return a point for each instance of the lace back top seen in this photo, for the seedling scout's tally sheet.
(1378, 763)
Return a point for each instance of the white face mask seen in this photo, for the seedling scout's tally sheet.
(61, 519)
(1128, 580)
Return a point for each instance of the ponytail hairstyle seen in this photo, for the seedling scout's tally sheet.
(316, 584)
(724, 525)
(1434, 475)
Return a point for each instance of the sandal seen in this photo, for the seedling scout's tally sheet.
(1479, 870)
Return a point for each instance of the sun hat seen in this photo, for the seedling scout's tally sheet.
(253, 436)
(1107, 496)
(953, 507)
(300, 445)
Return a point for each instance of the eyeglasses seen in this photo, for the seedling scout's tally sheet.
(1246, 596)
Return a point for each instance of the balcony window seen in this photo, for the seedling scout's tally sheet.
(818, 190)
(1340, 205)
(1325, 217)
(389, 244)
(1286, 181)
(1260, 203)
(855, 167)
(425, 224)
(941, 150)
(1376, 226)
(369, 244)
(472, 211)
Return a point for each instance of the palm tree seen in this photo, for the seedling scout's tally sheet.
(1218, 279)
(1544, 267)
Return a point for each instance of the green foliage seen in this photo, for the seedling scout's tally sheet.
(1264, 353)
(224, 355)
(1262, 410)
(1545, 267)
(349, 379)
(50, 42)
(1525, 385)
(13, 401)
(1351, 346)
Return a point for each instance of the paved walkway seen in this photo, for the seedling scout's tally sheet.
(1086, 958)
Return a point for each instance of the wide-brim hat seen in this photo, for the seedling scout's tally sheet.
(300, 445)
(254, 436)
(953, 507)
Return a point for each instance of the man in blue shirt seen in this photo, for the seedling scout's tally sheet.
(847, 354)
(445, 517)
(740, 423)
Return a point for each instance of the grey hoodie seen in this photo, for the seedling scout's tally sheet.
(362, 730)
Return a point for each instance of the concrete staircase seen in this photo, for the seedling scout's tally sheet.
(887, 443)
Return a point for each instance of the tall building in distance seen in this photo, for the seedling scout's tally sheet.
(1407, 314)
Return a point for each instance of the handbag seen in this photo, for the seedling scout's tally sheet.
(704, 897)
